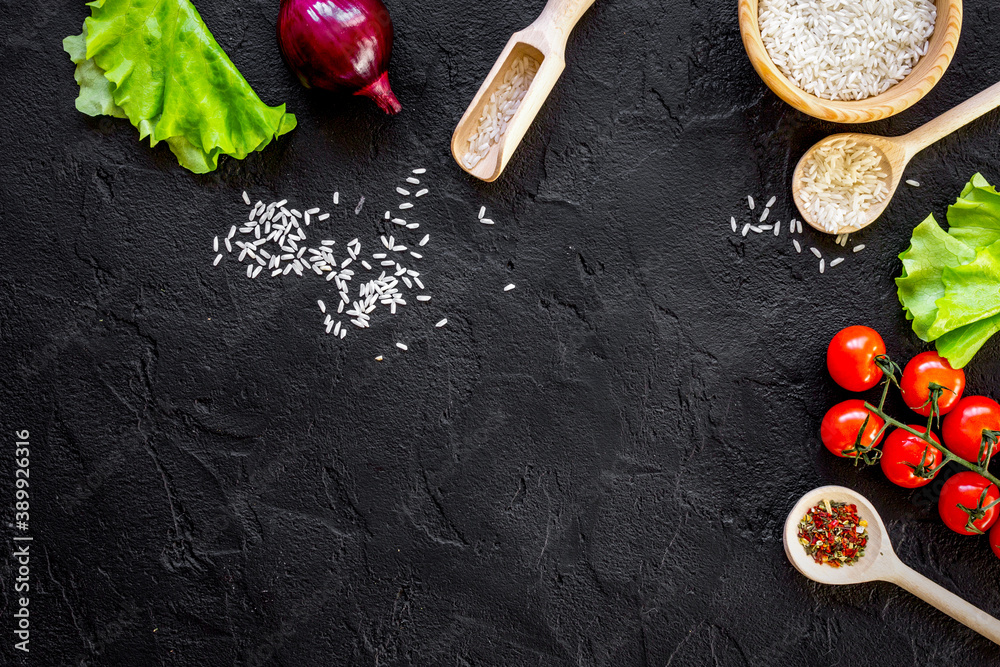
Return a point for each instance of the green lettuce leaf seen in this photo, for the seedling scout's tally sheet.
(950, 283)
(165, 72)
(960, 345)
(96, 92)
(975, 218)
(971, 292)
(931, 251)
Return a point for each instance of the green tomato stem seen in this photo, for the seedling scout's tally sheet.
(925, 436)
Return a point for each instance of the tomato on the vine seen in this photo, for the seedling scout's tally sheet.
(842, 423)
(850, 358)
(963, 428)
(962, 499)
(901, 450)
(995, 539)
(929, 368)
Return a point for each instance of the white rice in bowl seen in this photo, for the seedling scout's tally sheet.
(846, 49)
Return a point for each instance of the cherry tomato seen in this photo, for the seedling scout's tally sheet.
(842, 424)
(963, 428)
(995, 539)
(850, 358)
(927, 368)
(902, 448)
(966, 489)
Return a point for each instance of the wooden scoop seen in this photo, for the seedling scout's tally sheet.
(897, 152)
(545, 41)
(879, 563)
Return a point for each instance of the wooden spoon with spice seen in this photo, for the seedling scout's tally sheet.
(894, 154)
(875, 562)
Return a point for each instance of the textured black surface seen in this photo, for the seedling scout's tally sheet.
(592, 469)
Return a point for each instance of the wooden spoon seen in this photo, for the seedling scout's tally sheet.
(896, 152)
(545, 41)
(879, 563)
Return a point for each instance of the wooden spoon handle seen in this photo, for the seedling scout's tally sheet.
(560, 16)
(948, 122)
(946, 601)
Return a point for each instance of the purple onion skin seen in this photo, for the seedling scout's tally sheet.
(339, 45)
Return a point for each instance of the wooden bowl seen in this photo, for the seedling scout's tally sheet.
(903, 95)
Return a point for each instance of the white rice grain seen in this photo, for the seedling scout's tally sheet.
(841, 181)
(846, 50)
(500, 108)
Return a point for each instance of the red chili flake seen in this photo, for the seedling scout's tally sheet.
(833, 534)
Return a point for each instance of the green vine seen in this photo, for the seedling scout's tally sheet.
(870, 454)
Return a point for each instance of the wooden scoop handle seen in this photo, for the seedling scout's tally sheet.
(560, 16)
(946, 601)
(948, 122)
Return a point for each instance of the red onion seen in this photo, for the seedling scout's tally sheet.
(339, 45)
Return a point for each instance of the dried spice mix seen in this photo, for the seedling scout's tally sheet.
(833, 534)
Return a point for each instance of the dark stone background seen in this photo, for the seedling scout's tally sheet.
(593, 469)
